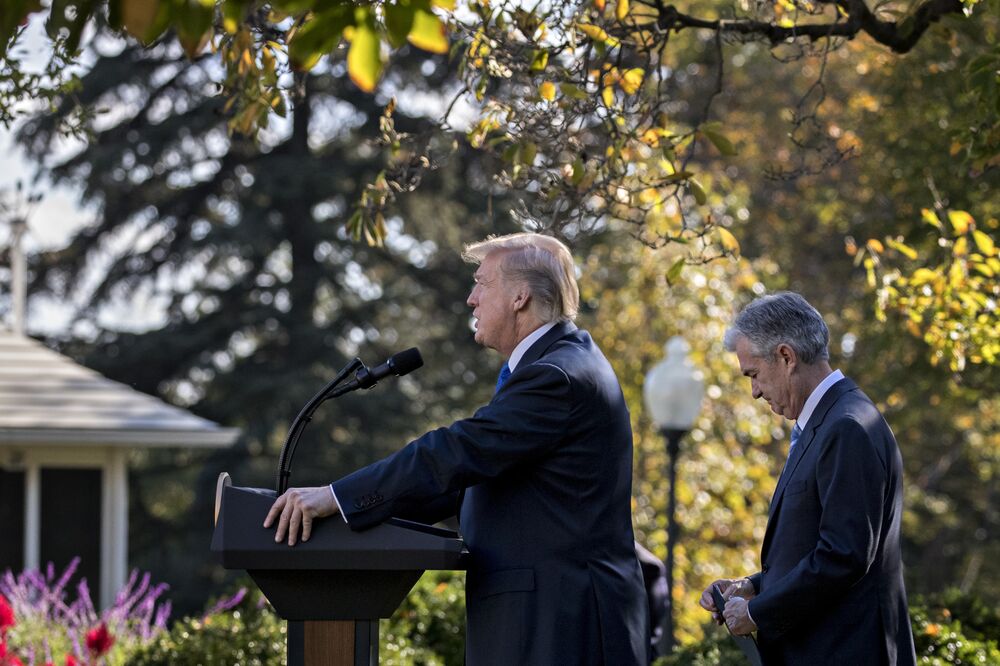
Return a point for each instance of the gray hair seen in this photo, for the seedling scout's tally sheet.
(781, 318)
(540, 262)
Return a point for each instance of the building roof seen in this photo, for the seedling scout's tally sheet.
(46, 398)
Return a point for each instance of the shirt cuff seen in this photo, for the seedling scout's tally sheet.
(337, 502)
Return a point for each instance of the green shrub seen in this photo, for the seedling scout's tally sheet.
(950, 628)
(247, 633)
(428, 629)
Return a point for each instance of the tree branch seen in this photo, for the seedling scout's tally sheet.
(900, 36)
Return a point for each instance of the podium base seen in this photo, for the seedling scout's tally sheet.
(333, 643)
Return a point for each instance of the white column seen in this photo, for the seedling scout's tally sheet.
(32, 515)
(114, 522)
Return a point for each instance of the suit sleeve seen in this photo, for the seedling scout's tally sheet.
(851, 482)
(524, 421)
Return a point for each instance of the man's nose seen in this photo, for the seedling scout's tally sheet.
(755, 392)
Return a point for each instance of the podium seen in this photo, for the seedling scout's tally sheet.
(332, 589)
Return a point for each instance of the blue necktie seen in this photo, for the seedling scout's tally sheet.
(796, 433)
(504, 375)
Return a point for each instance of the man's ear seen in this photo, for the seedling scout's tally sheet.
(787, 356)
(522, 299)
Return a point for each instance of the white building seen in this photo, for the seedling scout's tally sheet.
(65, 436)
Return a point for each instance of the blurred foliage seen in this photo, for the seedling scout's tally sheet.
(951, 629)
(580, 102)
(428, 629)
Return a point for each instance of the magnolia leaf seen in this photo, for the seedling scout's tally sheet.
(597, 33)
(571, 90)
(621, 10)
(539, 60)
(721, 143)
(930, 217)
(961, 247)
(984, 243)
(631, 80)
(697, 191)
(364, 59)
(674, 271)
(960, 221)
(398, 22)
(608, 96)
(428, 31)
(139, 16)
(547, 91)
(318, 36)
(729, 242)
(902, 248)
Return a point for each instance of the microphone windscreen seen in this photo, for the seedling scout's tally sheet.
(406, 361)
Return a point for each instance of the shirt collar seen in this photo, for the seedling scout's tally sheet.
(525, 344)
(816, 396)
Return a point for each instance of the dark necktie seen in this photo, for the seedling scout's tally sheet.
(502, 378)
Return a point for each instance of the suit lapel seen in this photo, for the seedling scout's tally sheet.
(806, 439)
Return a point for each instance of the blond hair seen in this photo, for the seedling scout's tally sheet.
(540, 262)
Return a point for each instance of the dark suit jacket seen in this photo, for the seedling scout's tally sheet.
(830, 590)
(544, 476)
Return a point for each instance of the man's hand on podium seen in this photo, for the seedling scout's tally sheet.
(296, 509)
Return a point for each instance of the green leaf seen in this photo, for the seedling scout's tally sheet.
(539, 60)
(319, 36)
(364, 59)
(697, 191)
(674, 272)
(138, 17)
(398, 22)
(722, 144)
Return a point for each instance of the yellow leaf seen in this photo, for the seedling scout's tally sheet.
(428, 32)
(547, 91)
(902, 248)
(631, 80)
(364, 59)
(960, 221)
(984, 243)
(608, 95)
(600, 5)
(961, 247)
(621, 10)
(444, 4)
(598, 34)
(729, 241)
(923, 276)
(930, 217)
(875, 245)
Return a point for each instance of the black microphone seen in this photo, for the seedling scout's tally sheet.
(399, 364)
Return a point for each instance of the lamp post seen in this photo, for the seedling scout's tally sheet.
(673, 391)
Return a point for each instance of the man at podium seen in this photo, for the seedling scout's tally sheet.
(540, 478)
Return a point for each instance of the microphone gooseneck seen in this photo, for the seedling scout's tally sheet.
(398, 365)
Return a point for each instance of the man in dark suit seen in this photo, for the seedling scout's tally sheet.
(540, 478)
(830, 589)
